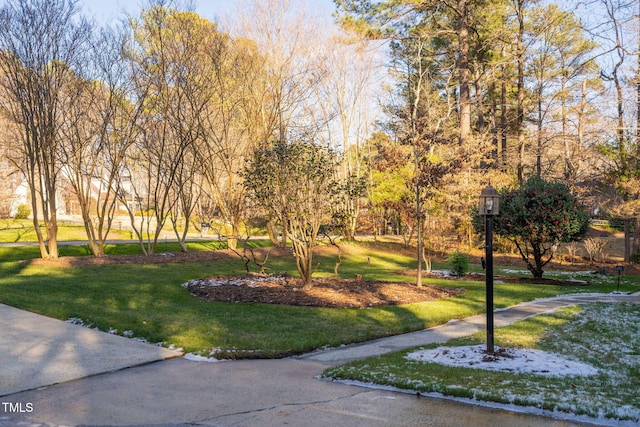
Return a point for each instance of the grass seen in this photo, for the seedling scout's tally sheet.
(17, 253)
(149, 301)
(606, 336)
(22, 230)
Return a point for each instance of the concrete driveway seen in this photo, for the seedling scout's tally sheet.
(245, 393)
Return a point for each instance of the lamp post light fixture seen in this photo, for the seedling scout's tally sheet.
(489, 207)
(619, 269)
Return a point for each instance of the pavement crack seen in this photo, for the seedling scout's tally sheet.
(282, 406)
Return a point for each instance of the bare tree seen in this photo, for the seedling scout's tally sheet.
(10, 175)
(99, 127)
(561, 58)
(285, 32)
(231, 125)
(347, 106)
(622, 153)
(420, 120)
(42, 42)
(168, 51)
(519, 6)
(81, 154)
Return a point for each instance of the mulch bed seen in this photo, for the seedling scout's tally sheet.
(328, 292)
(167, 257)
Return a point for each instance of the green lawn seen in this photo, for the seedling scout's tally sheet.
(149, 301)
(17, 253)
(605, 336)
(21, 230)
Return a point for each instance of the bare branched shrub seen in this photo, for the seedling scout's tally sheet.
(572, 250)
(595, 248)
(603, 255)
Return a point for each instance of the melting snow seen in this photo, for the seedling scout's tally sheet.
(240, 281)
(196, 358)
(505, 359)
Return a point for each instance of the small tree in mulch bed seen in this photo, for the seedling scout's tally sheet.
(293, 181)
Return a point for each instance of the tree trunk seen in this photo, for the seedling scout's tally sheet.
(272, 231)
(536, 269)
(232, 241)
(419, 225)
(283, 240)
(52, 236)
(503, 122)
(635, 257)
(480, 123)
(568, 161)
(50, 215)
(465, 97)
(627, 239)
(638, 95)
(36, 224)
(96, 245)
(520, 118)
(495, 140)
(539, 137)
(304, 262)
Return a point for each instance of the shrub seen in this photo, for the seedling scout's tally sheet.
(595, 247)
(459, 263)
(23, 212)
(537, 217)
(572, 251)
(503, 245)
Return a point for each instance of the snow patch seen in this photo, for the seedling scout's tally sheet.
(251, 282)
(553, 273)
(505, 359)
(442, 273)
(196, 358)
(534, 410)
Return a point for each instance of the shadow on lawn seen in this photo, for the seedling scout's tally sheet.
(149, 301)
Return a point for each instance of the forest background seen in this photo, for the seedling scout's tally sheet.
(422, 103)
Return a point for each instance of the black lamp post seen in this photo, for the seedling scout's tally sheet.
(489, 207)
(619, 269)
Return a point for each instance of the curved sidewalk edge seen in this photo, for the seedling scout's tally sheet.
(38, 351)
(457, 328)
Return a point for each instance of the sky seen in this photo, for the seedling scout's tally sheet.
(105, 11)
(108, 10)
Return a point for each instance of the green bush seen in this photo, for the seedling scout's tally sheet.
(23, 212)
(537, 216)
(503, 245)
(459, 263)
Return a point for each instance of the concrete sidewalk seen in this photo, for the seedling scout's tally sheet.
(37, 351)
(457, 328)
(240, 393)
